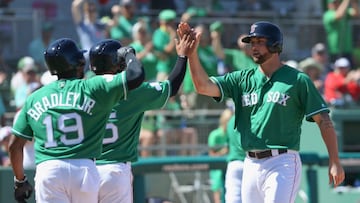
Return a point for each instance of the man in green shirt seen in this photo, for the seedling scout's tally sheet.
(338, 27)
(164, 44)
(271, 102)
(67, 119)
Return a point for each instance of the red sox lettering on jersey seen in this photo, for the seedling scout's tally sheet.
(67, 99)
(275, 97)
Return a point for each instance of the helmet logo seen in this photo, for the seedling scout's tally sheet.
(253, 28)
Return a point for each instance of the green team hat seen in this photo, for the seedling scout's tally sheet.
(167, 15)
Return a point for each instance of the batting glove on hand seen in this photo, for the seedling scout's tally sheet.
(23, 190)
(123, 51)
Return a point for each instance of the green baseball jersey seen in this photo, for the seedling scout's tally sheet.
(67, 118)
(269, 111)
(123, 129)
(235, 150)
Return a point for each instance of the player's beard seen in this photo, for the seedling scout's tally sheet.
(260, 58)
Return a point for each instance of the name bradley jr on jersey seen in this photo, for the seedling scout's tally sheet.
(68, 99)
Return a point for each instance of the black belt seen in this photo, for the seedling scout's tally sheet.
(265, 154)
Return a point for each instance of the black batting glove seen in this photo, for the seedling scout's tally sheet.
(22, 190)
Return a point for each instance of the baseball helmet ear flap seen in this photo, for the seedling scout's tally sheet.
(275, 47)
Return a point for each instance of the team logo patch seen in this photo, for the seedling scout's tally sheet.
(253, 28)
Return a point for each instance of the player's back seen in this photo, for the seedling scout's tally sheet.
(126, 121)
(67, 118)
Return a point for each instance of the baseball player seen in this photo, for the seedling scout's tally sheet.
(122, 136)
(67, 120)
(235, 165)
(271, 102)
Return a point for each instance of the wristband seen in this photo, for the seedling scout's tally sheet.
(181, 56)
(20, 181)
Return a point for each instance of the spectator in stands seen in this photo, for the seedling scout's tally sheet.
(122, 30)
(144, 49)
(5, 134)
(17, 79)
(5, 93)
(145, 53)
(173, 128)
(23, 80)
(31, 82)
(164, 44)
(341, 87)
(38, 45)
(209, 59)
(338, 28)
(148, 133)
(191, 13)
(356, 52)
(218, 146)
(320, 54)
(315, 71)
(88, 25)
(240, 57)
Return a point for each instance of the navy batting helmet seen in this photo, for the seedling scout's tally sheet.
(104, 58)
(63, 56)
(269, 31)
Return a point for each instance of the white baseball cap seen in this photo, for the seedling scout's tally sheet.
(342, 62)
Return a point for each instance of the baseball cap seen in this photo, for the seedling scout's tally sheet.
(167, 15)
(342, 62)
(318, 48)
(27, 64)
(307, 63)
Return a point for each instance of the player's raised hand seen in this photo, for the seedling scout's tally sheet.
(186, 44)
(183, 28)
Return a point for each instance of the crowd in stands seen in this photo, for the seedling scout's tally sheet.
(335, 74)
